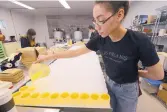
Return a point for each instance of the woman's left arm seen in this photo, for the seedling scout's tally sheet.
(149, 58)
(154, 72)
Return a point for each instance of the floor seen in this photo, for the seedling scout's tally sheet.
(148, 103)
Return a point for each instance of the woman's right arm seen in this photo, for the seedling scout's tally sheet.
(64, 54)
(92, 45)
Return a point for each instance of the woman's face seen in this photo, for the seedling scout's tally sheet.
(105, 21)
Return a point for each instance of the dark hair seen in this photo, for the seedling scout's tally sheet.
(114, 6)
(78, 29)
(91, 27)
(31, 32)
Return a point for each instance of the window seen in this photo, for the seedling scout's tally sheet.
(2, 24)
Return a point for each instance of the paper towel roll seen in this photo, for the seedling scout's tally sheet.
(58, 35)
(77, 35)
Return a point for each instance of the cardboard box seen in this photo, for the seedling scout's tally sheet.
(29, 55)
(162, 93)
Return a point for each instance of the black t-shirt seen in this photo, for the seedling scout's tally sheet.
(25, 42)
(94, 35)
(121, 58)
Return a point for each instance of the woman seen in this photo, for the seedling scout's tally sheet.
(121, 50)
(29, 39)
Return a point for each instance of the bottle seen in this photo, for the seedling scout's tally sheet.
(69, 42)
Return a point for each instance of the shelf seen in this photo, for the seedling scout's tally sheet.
(162, 8)
(162, 23)
(160, 36)
(147, 24)
(165, 23)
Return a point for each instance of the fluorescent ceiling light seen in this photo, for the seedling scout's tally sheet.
(21, 4)
(65, 4)
(51, 110)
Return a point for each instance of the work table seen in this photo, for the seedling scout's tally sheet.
(91, 71)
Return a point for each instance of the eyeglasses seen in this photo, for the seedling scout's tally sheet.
(99, 23)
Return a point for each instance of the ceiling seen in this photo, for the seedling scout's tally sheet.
(83, 7)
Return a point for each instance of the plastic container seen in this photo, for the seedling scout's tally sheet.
(153, 82)
(6, 101)
(38, 71)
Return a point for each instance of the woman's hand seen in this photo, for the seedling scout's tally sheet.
(41, 58)
(142, 73)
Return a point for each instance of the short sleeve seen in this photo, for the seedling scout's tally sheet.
(93, 44)
(147, 52)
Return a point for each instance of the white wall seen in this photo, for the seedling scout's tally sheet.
(41, 28)
(6, 16)
(17, 23)
(144, 8)
(22, 22)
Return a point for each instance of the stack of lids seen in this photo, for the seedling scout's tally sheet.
(12, 75)
(29, 55)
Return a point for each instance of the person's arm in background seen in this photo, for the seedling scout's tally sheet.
(150, 60)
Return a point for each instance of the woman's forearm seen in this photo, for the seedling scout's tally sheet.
(63, 54)
(146, 74)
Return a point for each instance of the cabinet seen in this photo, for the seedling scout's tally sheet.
(11, 47)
